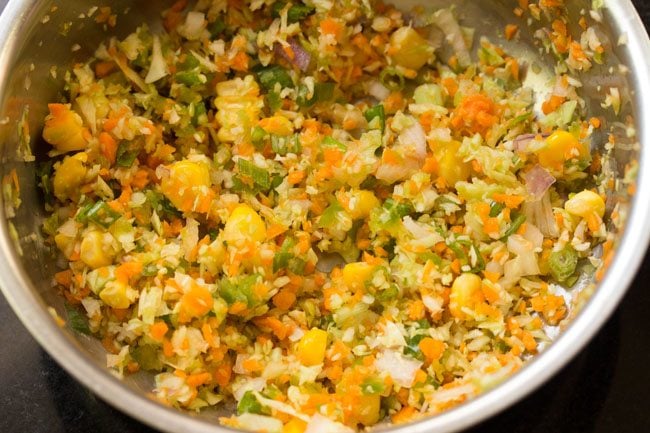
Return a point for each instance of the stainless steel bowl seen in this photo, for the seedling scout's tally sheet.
(37, 35)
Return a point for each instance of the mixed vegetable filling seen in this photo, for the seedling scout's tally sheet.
(325, 213)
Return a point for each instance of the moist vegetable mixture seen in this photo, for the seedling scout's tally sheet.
(326, 213)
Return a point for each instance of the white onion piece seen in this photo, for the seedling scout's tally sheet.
(319, 424)
(413, 142)
(402, 370)
(193, 26)
(158, 68)
(446, 21)
(378, 91)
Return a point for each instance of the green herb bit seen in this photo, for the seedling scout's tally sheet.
(371, 386)
(99, 213)
(44, 178)
(125, 155)
(376, 117)
(284, 145)
(389, 294)
(150, 270)
(147, 357)
(412, 347)
(269, 76)
(514, 226)
(330, 216)
(392, 79)
(297, 12)
(77, 321)
(258, 134)
(496, 208)
(250, 404)
(563, 263)
(259, 176)
(333, 142)
(322, 92)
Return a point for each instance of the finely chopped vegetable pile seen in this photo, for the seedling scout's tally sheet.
(327, 213)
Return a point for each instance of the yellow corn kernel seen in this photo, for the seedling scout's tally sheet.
(585, 203)
(188, 186)
(409, 49)
(296, 425)
(463, 294)
(312, 346)
(65, 244)
(356, 274)
(64, 129)
(368, 410)
(361, 203)
(238, 107)
(450, 167)
(68, 177)
(244, 224)
(116, 294)
(97, 249)
(278, 125)
(560, 146)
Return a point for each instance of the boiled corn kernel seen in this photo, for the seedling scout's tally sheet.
(64, 129)
(463, 293)
(65, 244)
(244, 224)
(188, 186)
(312, 346)
(408, 49)
(368, 409)
(97, 249)
(361, 203)
(68, 177)
(116, 294)
(238, 107)
(356, 274)
(295, 426)
(560, 146)
(450, 167)
(278, 125)
(585, 203)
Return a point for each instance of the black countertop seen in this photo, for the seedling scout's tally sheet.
(605, 389)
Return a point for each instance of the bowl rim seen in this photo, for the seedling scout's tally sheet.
(32, 311)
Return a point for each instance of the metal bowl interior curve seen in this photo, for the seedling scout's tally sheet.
(40, 39)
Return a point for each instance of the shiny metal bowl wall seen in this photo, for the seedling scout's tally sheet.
(36, 35)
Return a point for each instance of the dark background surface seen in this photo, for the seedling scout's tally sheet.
(605, 389)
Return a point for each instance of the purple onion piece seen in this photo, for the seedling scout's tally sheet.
(538, 181)
(301, 58)
(522, 141)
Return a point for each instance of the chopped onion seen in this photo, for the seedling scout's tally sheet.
(319, 424)
(254, 422)
(193, 26)
(538, 181)
(413, 142)
(378, 91)
(540, 213)
(526, 261)
(301, 58)
(256, 384)
(446, 21)
(521, 142)
(402, 370)
(205, 62)
(120, 60)
(158, 68)
(280, 407)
